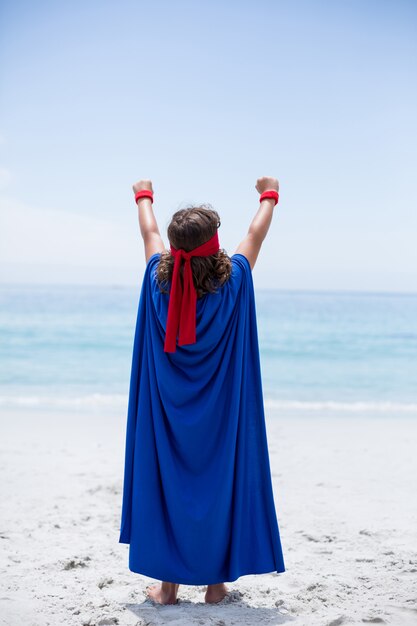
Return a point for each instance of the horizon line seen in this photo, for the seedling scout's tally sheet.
(316, 290)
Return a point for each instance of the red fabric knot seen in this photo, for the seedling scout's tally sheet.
(181, 316)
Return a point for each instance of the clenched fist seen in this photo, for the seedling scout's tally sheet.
(266, 183)
(142, 184)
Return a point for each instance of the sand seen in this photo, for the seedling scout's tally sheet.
(345, 493)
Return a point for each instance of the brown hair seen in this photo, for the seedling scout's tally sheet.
(191, 227)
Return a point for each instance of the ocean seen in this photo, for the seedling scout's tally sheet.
(322, 353)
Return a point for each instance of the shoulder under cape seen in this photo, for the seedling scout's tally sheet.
(198, 504)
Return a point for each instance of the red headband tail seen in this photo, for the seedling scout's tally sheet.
(182, 304)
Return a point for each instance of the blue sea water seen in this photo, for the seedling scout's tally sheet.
(70, 348)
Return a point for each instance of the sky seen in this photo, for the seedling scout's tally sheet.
(203, 98)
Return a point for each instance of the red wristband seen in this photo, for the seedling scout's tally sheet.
(270, 193)
(144, 193)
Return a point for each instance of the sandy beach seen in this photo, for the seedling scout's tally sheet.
(345, 493)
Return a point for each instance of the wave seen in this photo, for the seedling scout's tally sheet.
(347, 407)
(119, 402)
(90, 401)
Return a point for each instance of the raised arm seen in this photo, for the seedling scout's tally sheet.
(147, 222)
(258, 229)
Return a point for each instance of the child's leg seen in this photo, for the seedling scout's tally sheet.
(166, 593)
(216, 593)
(163, 593)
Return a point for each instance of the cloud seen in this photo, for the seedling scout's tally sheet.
(5, 175)
(38, 244)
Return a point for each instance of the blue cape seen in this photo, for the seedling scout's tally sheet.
(198, 504)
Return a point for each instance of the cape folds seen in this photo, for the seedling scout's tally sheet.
(198, 505)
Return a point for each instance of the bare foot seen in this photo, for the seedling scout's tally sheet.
(216, 593)
(163, 593)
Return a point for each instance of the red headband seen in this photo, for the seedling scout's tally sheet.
(182, 305)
